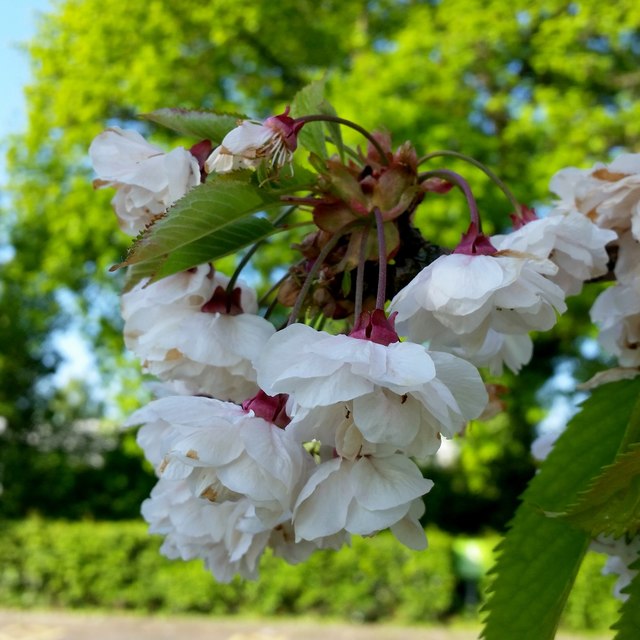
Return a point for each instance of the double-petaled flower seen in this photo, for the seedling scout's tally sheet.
(148, 180)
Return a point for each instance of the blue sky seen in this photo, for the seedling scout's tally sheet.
(17, 25)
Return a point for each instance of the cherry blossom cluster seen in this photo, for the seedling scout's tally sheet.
(610, 197)
(294, 438)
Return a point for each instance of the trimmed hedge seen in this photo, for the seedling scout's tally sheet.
(117, 565)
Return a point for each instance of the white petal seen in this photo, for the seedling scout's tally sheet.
(323, 503)
(384, 483)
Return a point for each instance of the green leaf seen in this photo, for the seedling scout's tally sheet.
(628, 626)
(224, 241)
(203, 212)
(540, 556)
(310, 101)
(199, 124)
(611, 505)
(333, 128)
(288, 180)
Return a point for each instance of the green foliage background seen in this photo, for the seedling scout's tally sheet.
(528, 88)
(99, 565)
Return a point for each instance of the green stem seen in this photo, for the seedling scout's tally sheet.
(479, 165)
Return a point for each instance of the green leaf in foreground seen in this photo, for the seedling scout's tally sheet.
(611, 505)
(540, 556)
(628, 626)
(198, 124)
(241, 233)
(203, 226)
(310, 100)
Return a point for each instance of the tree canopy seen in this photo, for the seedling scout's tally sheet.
(526, 89)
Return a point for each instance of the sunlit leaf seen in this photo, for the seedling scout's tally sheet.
(628, 626)
(611, 506)
(310, 101)
(540, 556)
(229, 239)
(198, 124)
(198, 218)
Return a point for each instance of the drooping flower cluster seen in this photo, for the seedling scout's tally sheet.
(609, 196)
(295, 439)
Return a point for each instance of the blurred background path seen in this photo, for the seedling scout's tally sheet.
(66, 626)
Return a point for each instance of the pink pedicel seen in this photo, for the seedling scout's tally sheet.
(376, 327)
(222, 302)
(475, 242)
(269, 408)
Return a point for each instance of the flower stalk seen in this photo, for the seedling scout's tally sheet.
(463, 185)
(479, 165)
(382, 261)
(360, 274)
(347, 123)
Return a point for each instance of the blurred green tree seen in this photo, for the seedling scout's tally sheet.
(526, 88)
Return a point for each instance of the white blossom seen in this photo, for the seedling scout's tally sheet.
(148, 181)
(609, 195)
(616, 312)
(399, 394)
(251, 142)
(168, 326)
(362, 497)
(196, 528)
(225, 452)
(499, 349)
(229, 482)
(459, 300)
(627, 269)
(570, 240)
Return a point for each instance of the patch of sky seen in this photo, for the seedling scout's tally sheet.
(514, 67)
(76, 360)
(384, 45)
(589, 348)
(435, 55)
(630, 40)
(560, 395)
(519, 97)
(539, 114)
(141, 126)
(478, 116)
(599, 44)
